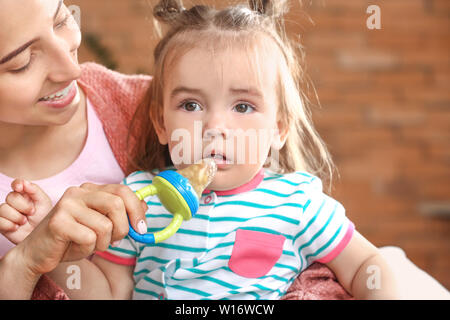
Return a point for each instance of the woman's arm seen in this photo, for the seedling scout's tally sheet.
(85, 220)
(363, 272)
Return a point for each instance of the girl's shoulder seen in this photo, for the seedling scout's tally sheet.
(140, 179)
(298, 179)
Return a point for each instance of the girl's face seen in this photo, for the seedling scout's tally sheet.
(38, 62)
(221, 105)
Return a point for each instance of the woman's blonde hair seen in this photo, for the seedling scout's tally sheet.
(304, 150)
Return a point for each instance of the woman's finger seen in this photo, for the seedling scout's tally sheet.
(97, 222)
(134, 207)
(113, 207)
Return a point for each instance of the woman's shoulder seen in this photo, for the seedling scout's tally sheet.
(108, 88)
(93, 72)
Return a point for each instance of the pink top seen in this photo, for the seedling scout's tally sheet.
(88, 167)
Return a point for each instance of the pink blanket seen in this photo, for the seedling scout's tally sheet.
(317, 282)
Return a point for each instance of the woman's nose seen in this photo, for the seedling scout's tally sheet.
(63, 60)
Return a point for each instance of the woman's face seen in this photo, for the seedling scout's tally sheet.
(39, 40)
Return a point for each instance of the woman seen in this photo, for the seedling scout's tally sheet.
(61, 124)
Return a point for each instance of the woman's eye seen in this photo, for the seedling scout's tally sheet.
(62, 23)
(191, 106)
(25, 67)
(243, 108)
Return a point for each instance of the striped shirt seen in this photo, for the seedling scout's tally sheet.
(247, 244)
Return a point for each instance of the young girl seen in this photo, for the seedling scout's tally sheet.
(233, 73)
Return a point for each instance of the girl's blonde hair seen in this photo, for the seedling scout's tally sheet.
(304, 150)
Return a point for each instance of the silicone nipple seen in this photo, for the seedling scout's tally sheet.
(200, 174)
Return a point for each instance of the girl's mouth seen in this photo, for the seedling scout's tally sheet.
(220, 159)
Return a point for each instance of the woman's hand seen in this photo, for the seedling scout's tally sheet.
(25, 207)
(86, 219)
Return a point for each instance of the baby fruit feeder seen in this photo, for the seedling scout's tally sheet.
(179, 192)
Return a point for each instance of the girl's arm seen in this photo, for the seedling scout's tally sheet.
(363, 272)
(98, 279)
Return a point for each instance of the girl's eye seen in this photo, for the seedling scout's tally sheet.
(191, 106)
(243, 108)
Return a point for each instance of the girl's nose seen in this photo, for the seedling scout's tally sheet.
(216, 126)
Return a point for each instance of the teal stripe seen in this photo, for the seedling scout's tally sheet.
(140, 182)
(128, 252)
(277, 194)
(294, 183)
(162, 215)
(240, 219)
(195, 291)
(316, 236)
(311, 221)
(155, 259)
(266, 288)
(271, 178)
(288, 236)
(147, 292)
(219, 282)
(177, 247)
(254, 294)
(258, 205)
(152, 203)
(136, 173)
(288, 253)
(193, 233)
(156, 283)
(326, 245)
(285, 266)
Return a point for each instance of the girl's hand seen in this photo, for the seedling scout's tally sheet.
(24, 209)
(86, 219)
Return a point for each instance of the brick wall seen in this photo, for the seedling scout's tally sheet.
(385, 106)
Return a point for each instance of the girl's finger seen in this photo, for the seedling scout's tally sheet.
(17, 185)
(7, 226)
(20, 202)
(11, 214)
(35, 192)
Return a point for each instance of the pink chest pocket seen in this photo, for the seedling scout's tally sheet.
(255, 253)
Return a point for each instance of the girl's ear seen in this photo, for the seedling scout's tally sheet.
(280, 136)
(158, 124)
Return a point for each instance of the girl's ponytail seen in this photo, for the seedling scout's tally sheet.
(270, 8)
(167, 11)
